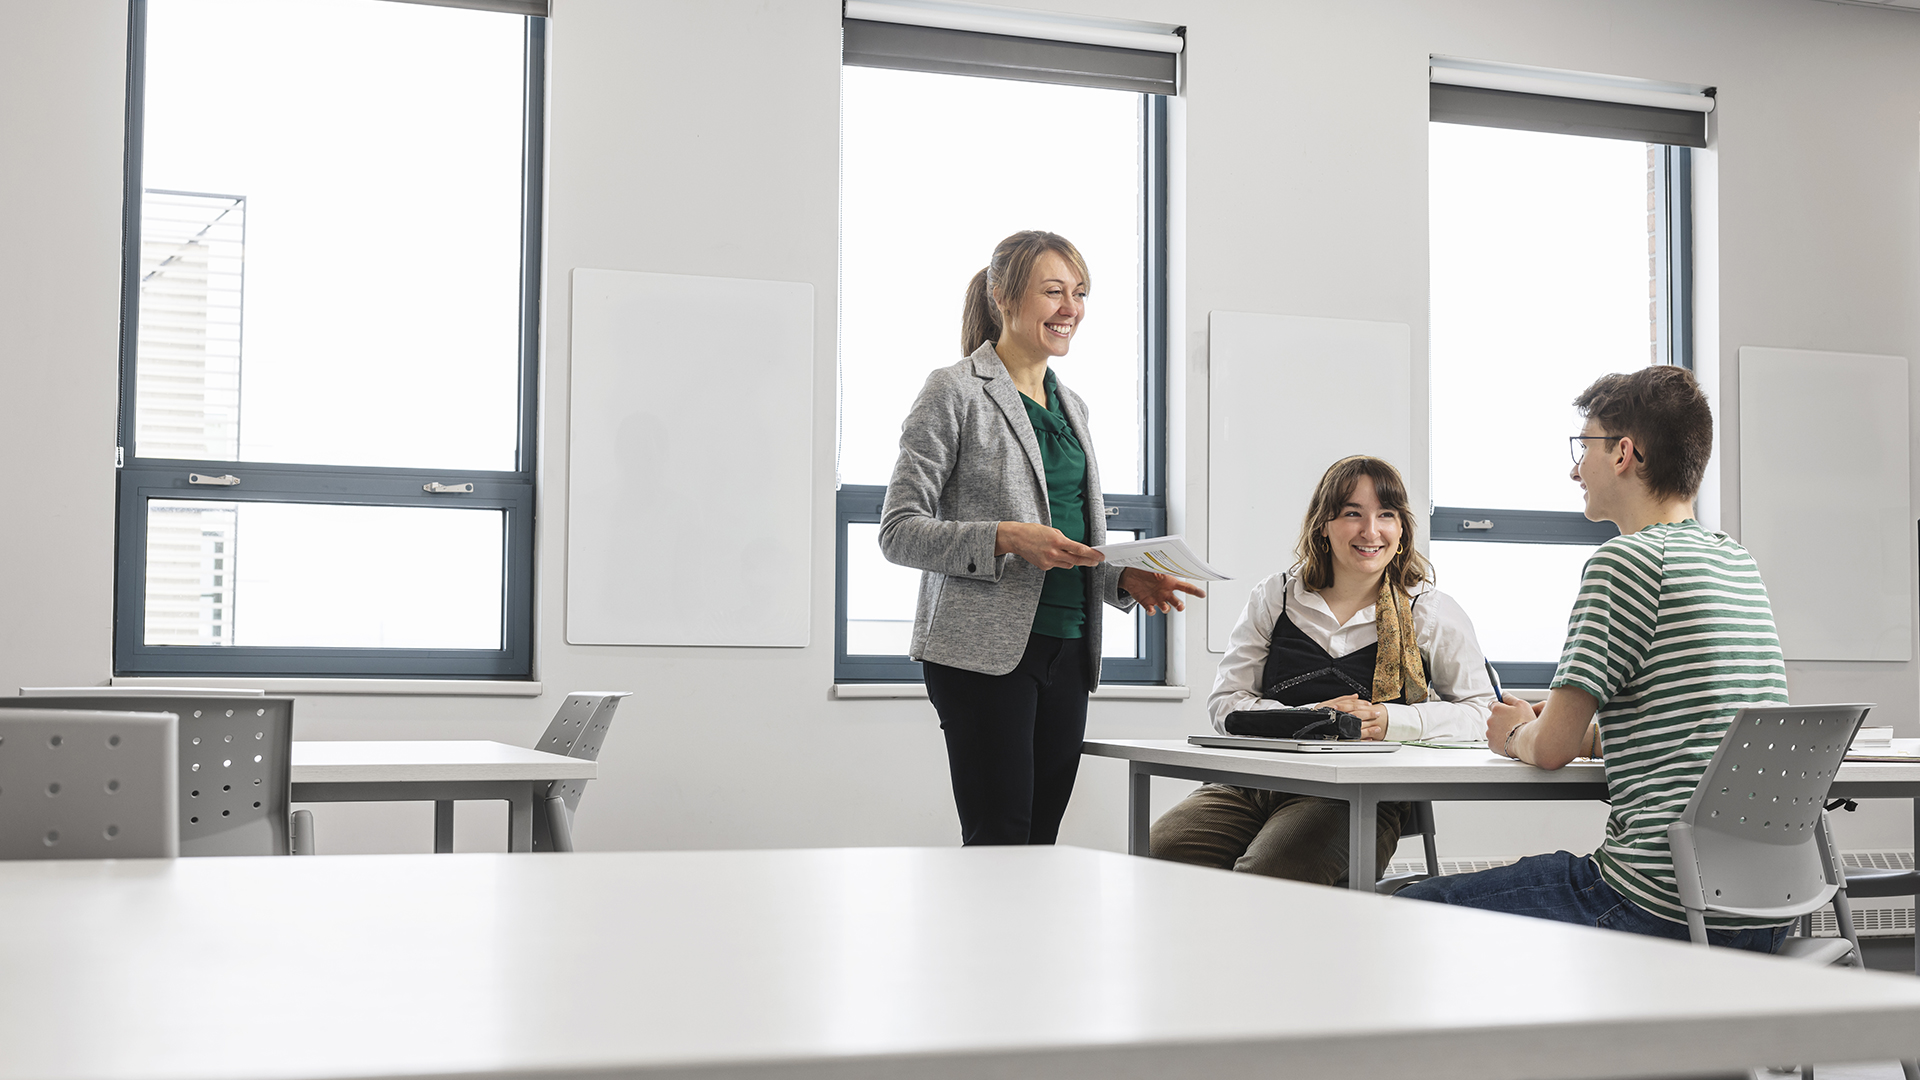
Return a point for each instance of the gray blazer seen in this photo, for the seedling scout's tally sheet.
(968, 461)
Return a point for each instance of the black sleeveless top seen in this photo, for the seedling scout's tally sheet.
(1300, 672)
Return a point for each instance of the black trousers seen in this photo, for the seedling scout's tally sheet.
(1013, 740)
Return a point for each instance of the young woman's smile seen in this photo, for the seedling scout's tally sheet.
(1364, 535)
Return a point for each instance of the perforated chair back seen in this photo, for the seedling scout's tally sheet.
(88, 784)
(1753, 840)
(235, 757)
(577, 731)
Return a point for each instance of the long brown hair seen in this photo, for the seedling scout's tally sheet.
(1006, 278)
(1407, 569)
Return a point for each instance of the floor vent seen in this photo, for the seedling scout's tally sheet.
(1890, 916)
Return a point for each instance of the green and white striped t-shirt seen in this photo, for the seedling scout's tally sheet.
(1672, 634)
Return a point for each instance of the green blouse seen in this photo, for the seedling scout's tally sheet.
(1063, 598)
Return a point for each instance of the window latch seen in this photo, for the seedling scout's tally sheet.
(213, 481)
(1471, 525)
(438, 488)
(1112, 511)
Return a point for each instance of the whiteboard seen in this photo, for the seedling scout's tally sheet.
(1824, 503)
(690, 461)
(1267, 445)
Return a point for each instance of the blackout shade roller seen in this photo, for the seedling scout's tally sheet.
(510, 7)
(997, 56)
(1484, 107)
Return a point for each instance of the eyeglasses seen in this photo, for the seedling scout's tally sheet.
(1577, 446)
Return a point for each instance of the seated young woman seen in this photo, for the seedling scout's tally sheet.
(1357, 625)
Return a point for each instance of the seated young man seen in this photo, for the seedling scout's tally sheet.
(1670, 636)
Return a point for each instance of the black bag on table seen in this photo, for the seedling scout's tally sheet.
(1320, 723)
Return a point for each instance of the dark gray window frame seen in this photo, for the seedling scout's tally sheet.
(512, 492)
(1673, 252)
(1145, 513)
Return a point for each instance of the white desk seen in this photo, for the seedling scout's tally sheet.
(1363, 781)
(861, 963)
(436, 771)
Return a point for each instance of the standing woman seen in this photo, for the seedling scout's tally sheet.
(996, 497)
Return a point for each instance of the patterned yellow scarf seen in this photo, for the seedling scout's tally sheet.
(1397, 667)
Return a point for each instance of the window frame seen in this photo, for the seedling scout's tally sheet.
(512, 492)
(1145, 513)
(1672, 215)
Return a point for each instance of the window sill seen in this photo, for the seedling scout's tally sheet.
(1109, 692)
(367, 687)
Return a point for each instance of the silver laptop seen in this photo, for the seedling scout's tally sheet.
(1295, 746)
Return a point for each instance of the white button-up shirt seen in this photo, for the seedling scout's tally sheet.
(1459, 693)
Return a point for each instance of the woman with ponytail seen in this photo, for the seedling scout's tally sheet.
(996, 498)
(1356, 625)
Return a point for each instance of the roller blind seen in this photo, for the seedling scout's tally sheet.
(877, 35)
(1486, 95)
(510, 7)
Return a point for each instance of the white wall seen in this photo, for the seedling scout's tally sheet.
(1299, 186)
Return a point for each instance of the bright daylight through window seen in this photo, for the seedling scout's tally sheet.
(922, 208)
(1543, 279)
(326, 398)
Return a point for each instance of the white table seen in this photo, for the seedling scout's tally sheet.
(1363, 781)
(436, 771)
(860, 963)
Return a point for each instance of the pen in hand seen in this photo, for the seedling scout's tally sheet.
(1498, 694)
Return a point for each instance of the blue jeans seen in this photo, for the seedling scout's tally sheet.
(1568, 888)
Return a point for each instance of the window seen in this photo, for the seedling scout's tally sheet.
(1559, 251)
(329, 318)
(915, 140)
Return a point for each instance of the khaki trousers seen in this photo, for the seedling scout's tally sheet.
(1299, 837)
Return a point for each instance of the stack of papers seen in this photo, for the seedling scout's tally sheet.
(1161, 555)
(1873, 738)
(1890, 750)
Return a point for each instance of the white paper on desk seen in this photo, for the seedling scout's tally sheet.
(1161, 555)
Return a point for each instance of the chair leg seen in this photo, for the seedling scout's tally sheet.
(559, 826)
(300, 842)
(1697, 926)
(1423, 814)
(1843, 915)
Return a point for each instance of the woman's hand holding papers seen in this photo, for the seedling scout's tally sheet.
(1158, 593)
(1043, 546)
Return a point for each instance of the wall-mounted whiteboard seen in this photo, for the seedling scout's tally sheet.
(1824, 503)
(1288, 396)
(690, 462)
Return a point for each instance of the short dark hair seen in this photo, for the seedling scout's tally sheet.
(1663, 411)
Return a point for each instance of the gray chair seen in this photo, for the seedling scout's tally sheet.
(1422, 825)
(235, 770)
(1754, 838)
(1877, 882)
(88, 784)
(577, 731)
